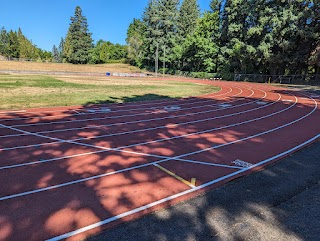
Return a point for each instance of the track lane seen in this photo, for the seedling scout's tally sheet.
(122, 201)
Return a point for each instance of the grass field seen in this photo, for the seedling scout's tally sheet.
(29, 91)
(97, 68)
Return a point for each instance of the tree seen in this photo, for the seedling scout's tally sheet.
(200, 48)
(4, 42)
(78, 40)
(56, 54)
(135, 40)
(61, 50)
(188, 16)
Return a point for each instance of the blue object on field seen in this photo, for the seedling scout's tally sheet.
(108, 74)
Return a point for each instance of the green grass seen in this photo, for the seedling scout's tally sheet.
(26, 91)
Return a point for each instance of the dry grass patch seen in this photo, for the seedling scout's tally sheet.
(64, 67)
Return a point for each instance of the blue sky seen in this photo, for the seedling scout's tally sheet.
(46, 21)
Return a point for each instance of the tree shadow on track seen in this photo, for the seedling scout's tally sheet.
(278, 203)
(52, 212)
(136, 98)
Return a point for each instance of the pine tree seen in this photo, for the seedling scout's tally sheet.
(78, 41)
(13, 46)
(188, 16)
(4, 42)
(151, 20)
(135, 39)
(55, 54)
(61, 50)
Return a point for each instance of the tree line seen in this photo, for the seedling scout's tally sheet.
(14, 44)
(235, 36)
(78, 47)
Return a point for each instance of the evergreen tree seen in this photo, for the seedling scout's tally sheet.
(4, 42)
(61, 50)
(13, 45)
(55, 54)
(189, 14)
(78, 41)
(135, 39)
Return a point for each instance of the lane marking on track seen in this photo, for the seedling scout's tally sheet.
(225, 105)
(12, 111)
(150, 205)
(156, 162)
(127, 110)
(116, 117)
(174, 175)
(153, 128)
(131, 104)
(261, 103)
(130, 122)
(120, 148)
(241, 163)
(172, 108)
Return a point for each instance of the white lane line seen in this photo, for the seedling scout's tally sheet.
(12, 111)
(92, 112)
(133, 122)
(112, 117)
(172, 197)
(121, 105)
(208, 163)
(136, 131)
(163, 160)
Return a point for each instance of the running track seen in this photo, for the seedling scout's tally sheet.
(70, 172)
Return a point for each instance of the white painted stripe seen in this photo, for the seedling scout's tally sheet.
(147, 129)
(130, 122)
(208, 163)
(107, 117)
(125, 123)
(92, 112)
(139, 103)
(167, 159)
(172, 197)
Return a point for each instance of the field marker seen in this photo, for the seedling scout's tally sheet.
(224, 105)
(172, 108)
(241, 163)
(101, 110)
(261, 103)
(193, 181)
(174, 175)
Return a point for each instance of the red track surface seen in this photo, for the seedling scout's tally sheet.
(70, 172)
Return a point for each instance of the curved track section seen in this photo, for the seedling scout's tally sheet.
(70, 172)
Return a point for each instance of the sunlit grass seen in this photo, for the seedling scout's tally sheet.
(27, 91)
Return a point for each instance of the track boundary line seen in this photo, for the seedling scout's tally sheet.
(167, 159)
(110, 117)
(125, 103)
(130, 122)
(135, 131)
(172, 197)
(115, 111)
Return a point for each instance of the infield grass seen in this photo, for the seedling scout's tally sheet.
(31, 91)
